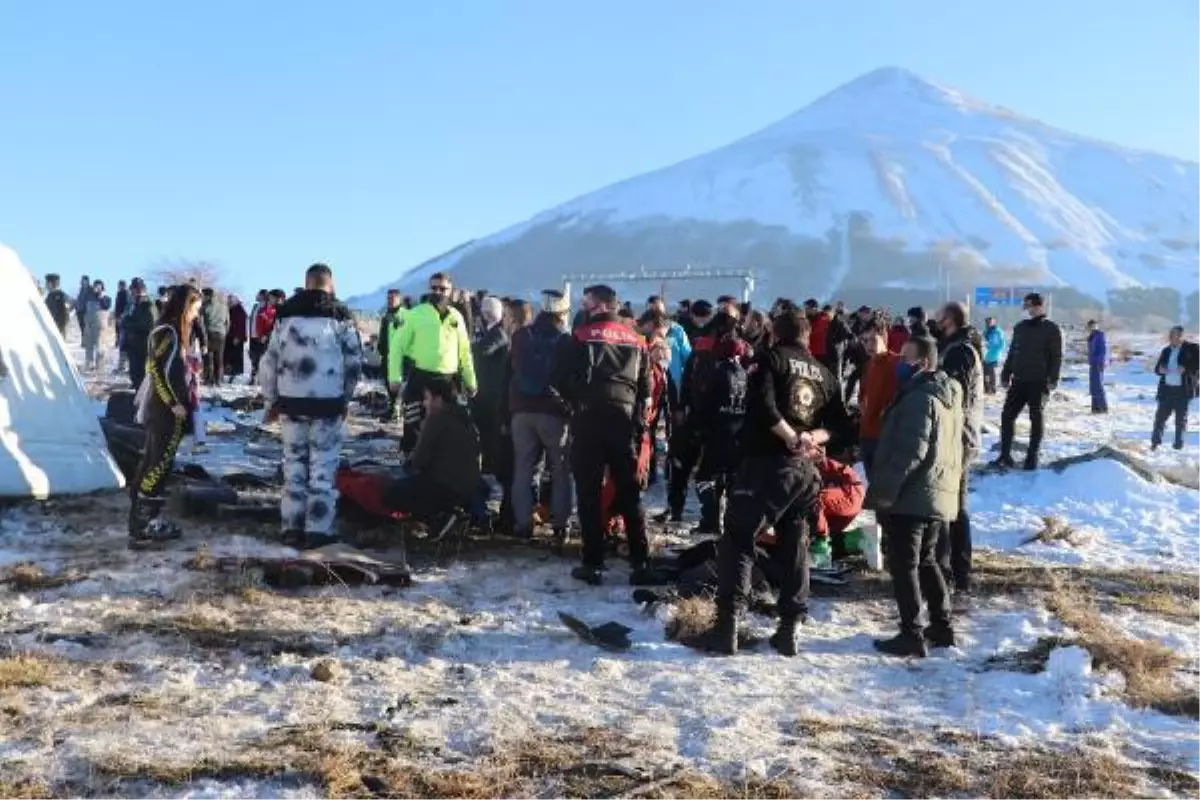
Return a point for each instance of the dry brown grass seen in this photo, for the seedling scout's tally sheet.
(691, 618)
(210, 628)
(1150, 669)
(24, 670)
(24, 788)
(586, 763)
(1030, 661)
(1054, 529)
(31, 577)
(1052, 774)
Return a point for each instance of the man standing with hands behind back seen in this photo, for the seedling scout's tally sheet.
(794, 405)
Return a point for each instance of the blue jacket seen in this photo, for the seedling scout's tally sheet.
(993, 338)
(681, 350)
(1097, 349)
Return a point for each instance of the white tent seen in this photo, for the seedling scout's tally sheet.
(50, 437)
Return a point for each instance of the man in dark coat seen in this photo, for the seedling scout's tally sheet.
(1031, 372)
(1177, 368)
(960, 358)
(139, 321)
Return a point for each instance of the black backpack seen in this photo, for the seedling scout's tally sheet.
(537, 361)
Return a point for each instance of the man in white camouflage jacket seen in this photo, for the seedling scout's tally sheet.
(308, 375)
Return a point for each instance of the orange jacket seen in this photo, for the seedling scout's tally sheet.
(878, 389)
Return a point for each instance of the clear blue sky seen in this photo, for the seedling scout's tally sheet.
(265, 134)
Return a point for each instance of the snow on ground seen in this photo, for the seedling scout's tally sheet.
(473, 656)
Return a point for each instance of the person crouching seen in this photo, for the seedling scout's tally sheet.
(443, 472)
(308, 375)
(914, 488)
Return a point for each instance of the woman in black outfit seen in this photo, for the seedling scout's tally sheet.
(167, 415)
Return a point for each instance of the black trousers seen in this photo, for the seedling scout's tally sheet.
(686, 447)
(164, 431)
(1019, 396)
(989, 377)
(605, 438)
(214, 362)
(954, 546)
(782, 491)
(916, 576)
(257, 348)
(1172, 400)
(137, 353)
(421, 497)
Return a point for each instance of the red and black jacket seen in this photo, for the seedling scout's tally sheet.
(607, 368)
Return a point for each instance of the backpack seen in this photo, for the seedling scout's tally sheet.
(537, 360)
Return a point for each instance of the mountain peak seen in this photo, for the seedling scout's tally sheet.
(896, 88)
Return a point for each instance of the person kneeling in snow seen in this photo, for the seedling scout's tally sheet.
(308, 375)
(443, 472)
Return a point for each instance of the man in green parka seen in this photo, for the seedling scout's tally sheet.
(915, 489)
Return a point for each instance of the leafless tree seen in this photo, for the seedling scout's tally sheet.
(175, 271)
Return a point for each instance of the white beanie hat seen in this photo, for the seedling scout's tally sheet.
(491, 309)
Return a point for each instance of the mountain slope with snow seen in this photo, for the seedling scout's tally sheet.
(888, 181)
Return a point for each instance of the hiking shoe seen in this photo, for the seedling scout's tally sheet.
(784, 638)
(940, 636)
(155, 532)
(1004, 462)
(903, 645)
(593, 576)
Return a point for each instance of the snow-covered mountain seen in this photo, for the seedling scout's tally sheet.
(889, 181)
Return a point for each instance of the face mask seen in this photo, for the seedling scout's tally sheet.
(905, 371)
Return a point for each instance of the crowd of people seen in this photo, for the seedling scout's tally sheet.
(763, 414)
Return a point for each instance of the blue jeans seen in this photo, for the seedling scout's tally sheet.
(1096, 387)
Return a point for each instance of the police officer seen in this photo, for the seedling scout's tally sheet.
(436, 340)
(605, 377)
(794, 406)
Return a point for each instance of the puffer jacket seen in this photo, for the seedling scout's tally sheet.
(959, 358)
(314, 359)
(1035, 355)
(993, 340)
(919, 461)
(681, 350)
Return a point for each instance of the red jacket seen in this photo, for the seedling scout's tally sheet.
(817, 340)
(897, 336)
(841, 499)
(264, 322)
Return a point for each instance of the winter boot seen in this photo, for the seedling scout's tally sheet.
(940, 636)
(784, 638)
(903, 645)
(146, 529)
(593, 576)
(722, 638)
(1031, 463)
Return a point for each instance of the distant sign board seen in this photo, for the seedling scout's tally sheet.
(1000, 296)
